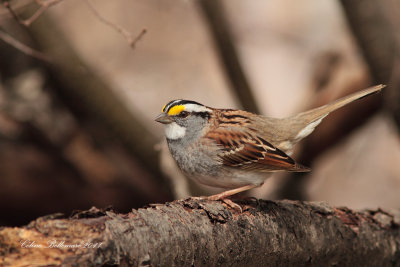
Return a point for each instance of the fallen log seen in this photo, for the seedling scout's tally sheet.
(196, 233)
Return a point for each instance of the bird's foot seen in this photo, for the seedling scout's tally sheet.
(227, 201)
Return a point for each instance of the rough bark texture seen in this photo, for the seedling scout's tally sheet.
(207, 233)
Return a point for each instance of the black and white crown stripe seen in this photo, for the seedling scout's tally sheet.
(190, 106)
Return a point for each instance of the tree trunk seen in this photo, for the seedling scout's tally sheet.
(197, 233)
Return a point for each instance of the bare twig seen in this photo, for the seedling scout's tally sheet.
(14, 15)
(44, 5)
(137, 38)
(22, 47)
(128, 36)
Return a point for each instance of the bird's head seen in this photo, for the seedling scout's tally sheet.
(182, 117)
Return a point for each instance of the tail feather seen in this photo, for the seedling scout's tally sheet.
(295, 128)
(300, 168)
(320, 112)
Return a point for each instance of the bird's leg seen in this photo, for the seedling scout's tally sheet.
(225, 194)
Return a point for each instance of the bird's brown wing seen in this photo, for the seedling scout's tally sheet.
(251, 152)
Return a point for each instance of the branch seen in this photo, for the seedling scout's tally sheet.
(22, 47)
(128, 36)
(44, 5)
(190, 233)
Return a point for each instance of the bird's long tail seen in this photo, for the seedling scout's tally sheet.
(302, 124)
(320, 112)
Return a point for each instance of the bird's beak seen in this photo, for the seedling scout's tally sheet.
(163, 118)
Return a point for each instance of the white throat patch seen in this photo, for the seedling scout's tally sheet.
(174, 131)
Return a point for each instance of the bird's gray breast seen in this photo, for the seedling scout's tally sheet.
(203, 166)
(194, 160)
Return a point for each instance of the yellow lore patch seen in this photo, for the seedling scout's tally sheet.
(175, 110)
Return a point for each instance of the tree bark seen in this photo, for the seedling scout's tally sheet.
(208, 233)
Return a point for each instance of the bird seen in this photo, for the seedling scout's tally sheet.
(235, 149)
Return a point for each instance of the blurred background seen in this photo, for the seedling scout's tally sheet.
(82, 81)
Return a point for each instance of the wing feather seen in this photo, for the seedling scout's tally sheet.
(248, 151)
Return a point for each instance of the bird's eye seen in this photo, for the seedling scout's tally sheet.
(183, 114)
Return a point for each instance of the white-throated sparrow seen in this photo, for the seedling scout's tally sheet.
(235, 149)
